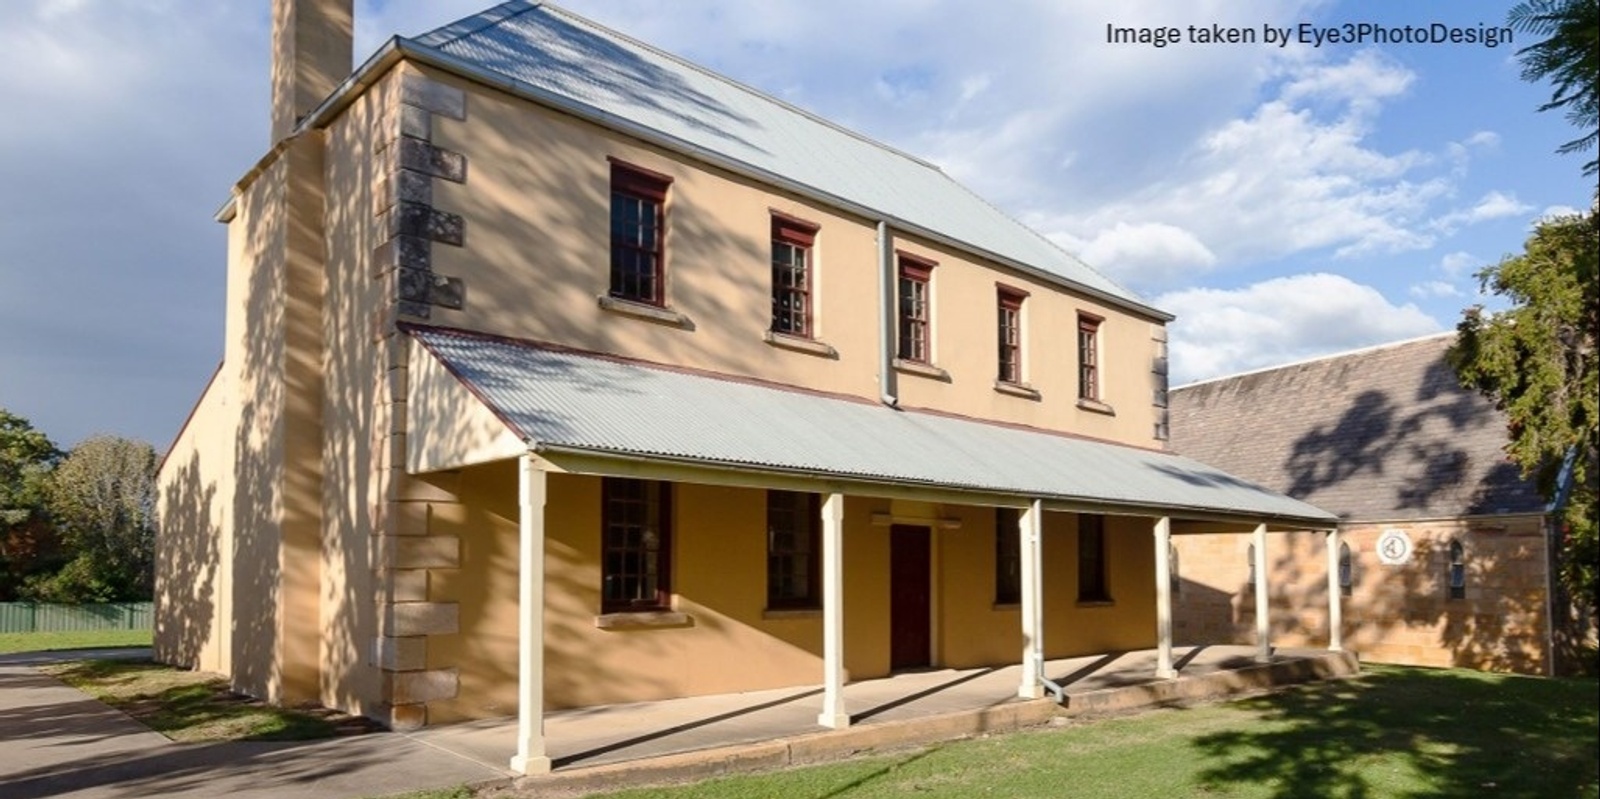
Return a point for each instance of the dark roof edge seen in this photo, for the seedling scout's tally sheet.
(1317, 359)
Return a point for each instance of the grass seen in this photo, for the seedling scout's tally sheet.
(1393, 732)
(197, 706)
(12, 643)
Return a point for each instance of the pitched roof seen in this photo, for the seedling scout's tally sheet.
(1380, 434)
(561, 401)
(589, 70)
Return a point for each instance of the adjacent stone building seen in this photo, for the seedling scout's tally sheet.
(1445, 558)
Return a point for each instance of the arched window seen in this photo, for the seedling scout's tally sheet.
(1250, 556)
(1458, 571)
(1346, 573)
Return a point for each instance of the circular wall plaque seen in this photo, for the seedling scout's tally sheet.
(1394, 547)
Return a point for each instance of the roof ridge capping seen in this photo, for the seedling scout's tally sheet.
(1318, 358)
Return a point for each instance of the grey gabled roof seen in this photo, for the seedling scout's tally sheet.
(1386, 433)
(559, 401)
(587, 69)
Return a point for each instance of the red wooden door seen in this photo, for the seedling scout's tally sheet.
(910, 595)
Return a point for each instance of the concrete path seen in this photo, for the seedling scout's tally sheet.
(57, 742)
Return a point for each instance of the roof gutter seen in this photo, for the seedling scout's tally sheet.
(1051, 502)
(399, 47)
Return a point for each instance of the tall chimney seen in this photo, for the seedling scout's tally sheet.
(312, 42)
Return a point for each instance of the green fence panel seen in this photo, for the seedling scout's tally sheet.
(29, 617)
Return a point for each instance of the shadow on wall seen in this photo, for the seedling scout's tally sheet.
(1394, 613)
(186, 571)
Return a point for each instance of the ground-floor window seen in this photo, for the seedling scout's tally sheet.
(794, 543)
(1346, 570)
(1458, 571)
(636, 544)
(1092, 559)
(1007, 556)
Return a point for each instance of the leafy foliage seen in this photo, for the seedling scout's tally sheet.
(26, 537)
(102, 498)
(1537, 360)
(1569, 56)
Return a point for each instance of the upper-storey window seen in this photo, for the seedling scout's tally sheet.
(1088, 357)
(916, 317)
(792, 276)
(638, 234)
(1009, 338)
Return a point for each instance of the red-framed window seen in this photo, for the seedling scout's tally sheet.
(794, 547)
(638, 234)
(1009, 333)
(1007, 556)
(1092, 586)
(916, 309)
(636, 544)
(1088, 357)
(792, 266)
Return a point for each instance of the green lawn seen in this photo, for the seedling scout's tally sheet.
(197, 706)
(1393, 732)
(11, 643)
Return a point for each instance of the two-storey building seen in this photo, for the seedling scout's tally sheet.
(559, 372)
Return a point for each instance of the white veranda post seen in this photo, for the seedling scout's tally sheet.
(531, 490)
(833, 713)
(1263, 613)
(1028, 526)
(1163, 536)
(1335, 612)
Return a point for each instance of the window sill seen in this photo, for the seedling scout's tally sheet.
(921, 369)
(791, 613)
(1096, 406)
(643, 620)
(1005, 606)
(1096, 603)
(1022, 390)
(809, 346)
(645, 311)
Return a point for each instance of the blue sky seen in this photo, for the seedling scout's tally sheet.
(1283, 202)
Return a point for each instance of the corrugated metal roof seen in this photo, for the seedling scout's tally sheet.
(612, 76)
(603, 405)
(1379, 434)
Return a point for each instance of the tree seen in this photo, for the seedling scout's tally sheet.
(1569, 56)
(1537, 361)
(26, 458)
(102, 498)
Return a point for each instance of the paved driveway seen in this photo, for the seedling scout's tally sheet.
(57, 742)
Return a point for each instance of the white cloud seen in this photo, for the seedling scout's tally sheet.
(1493, 205)
(1284, 319)
(1430, 289)
(1148, 253)
(1297, 174)
(1555, 211)
(1459, 264)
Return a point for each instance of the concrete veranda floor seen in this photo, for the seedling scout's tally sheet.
(597, 736)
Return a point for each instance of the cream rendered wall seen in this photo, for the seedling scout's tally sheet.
(1395, 614)
(193, 599)
(536, 205)
(363, 435)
